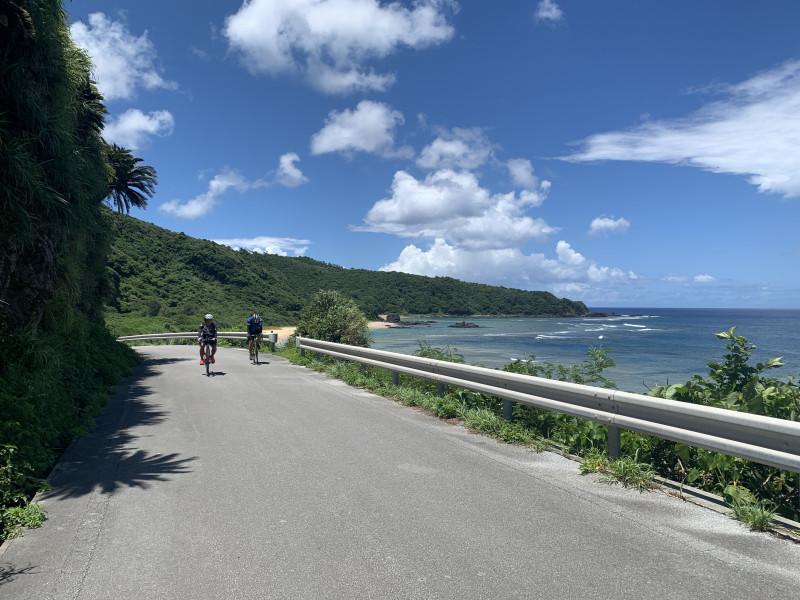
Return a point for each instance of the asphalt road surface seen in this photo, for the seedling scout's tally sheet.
(274, 481)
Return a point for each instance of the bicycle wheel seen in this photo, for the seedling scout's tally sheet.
(255, 352)
(207, 360)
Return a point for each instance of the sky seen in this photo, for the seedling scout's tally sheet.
(621, 153)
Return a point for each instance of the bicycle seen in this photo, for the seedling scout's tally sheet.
(208, 347)
(254, 351)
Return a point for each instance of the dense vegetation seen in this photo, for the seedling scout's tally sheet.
(58, 358)
(333, 317)
(164, 281)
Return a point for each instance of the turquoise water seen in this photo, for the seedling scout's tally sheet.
(649, 346)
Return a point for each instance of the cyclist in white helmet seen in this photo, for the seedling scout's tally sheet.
(208, 331)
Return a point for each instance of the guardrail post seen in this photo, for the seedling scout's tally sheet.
(508, 407)
(613, 442)
(319, 356)
(440, 390)
(395, 378)
(303, 352)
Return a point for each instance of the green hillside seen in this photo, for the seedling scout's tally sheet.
(162, 280)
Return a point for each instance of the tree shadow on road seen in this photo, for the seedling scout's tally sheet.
(107, 459)
(9, 572)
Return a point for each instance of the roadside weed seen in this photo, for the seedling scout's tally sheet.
(756, 515)
(594, 462)
(629, 473)
(17, 518)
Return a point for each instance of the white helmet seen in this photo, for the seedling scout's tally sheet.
(209, 316)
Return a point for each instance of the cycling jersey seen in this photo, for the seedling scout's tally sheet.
(206, 332)
(253, 327)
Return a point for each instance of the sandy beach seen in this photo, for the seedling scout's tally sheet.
(285, 332)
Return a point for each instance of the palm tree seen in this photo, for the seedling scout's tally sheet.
(128, 184)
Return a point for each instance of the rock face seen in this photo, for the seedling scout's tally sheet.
(464, 324)
(393, 318)
(402, 324)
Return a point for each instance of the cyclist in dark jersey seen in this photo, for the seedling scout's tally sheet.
(208, 331)
(254, 325)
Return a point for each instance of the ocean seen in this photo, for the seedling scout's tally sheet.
(650, 346)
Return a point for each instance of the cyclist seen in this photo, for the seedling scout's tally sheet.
(208, 331)
(254, 325)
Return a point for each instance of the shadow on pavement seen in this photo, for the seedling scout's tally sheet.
(107, 459)
(7, 574)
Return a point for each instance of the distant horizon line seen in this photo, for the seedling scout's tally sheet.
(606, 308)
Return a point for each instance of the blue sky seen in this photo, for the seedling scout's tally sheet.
(622, 153)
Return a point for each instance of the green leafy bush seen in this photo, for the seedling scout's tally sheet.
(16, 485)
(733, 384)
(17, 518)
(333, 317)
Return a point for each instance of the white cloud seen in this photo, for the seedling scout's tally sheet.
(288, 174)
(686, 279)
(453, 206)
(548, 11)
(330, 42)
(704, 279)
(268, 245)
(368, 128)
(122, 61)
(202, 204)
(132, 128)
(521, 171)
(457, 149)
(474, 234)
(509, 267)
(607, 225)
(672, 278)
(754, 132)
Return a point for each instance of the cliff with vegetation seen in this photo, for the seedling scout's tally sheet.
(58, 359)
(161, 280)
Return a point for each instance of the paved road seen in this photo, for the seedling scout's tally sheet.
(273, 481)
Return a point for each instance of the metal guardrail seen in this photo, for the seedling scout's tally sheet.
(271, 338)
(765, 440)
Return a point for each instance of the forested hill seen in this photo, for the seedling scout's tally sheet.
(161, 280)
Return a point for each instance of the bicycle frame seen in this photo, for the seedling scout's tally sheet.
(207, 349)
(254, 345)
